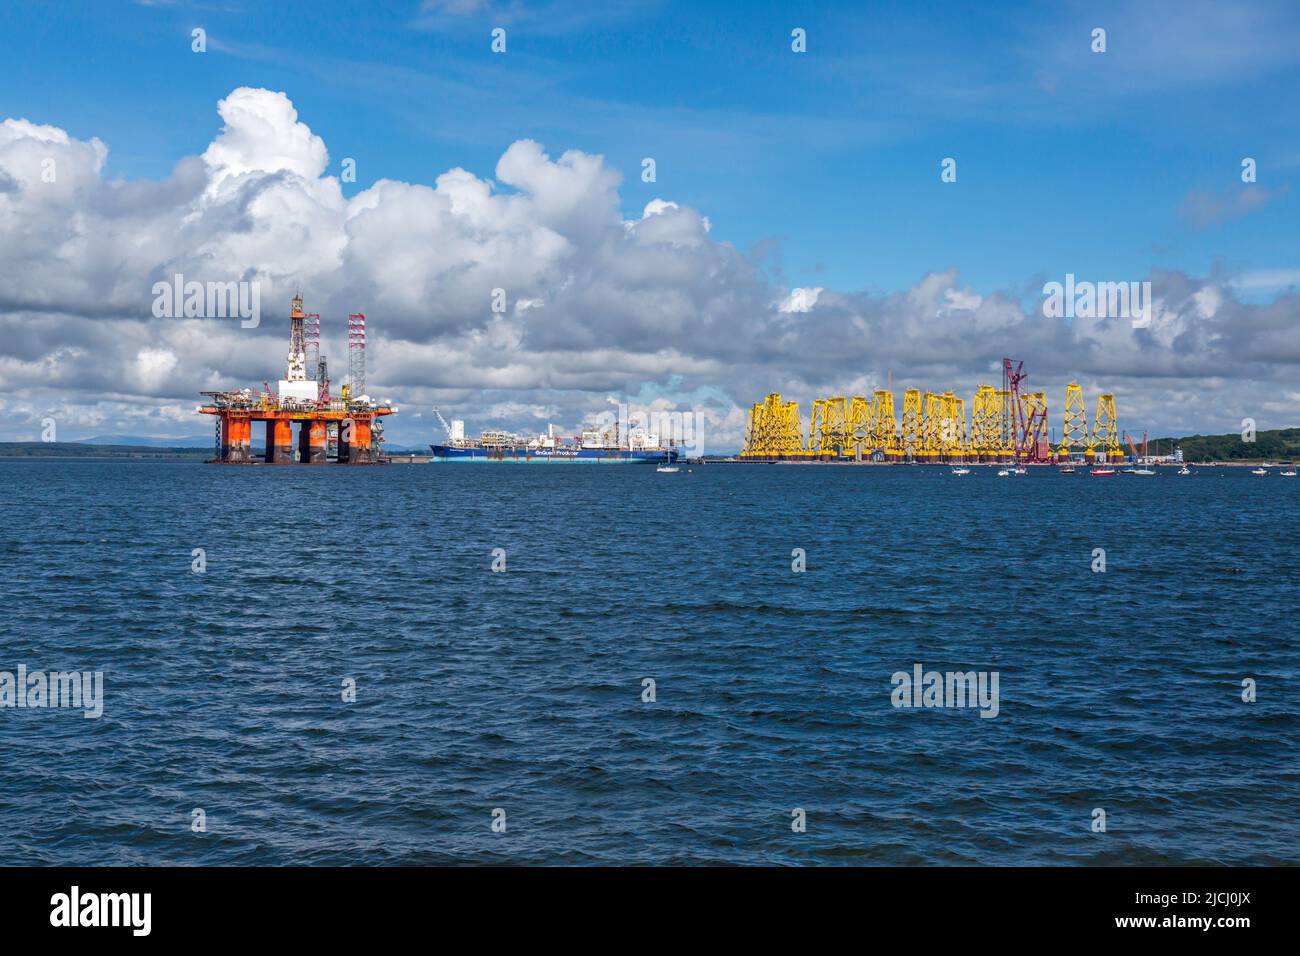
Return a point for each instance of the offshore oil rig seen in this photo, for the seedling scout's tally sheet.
(347, 429)
(1007, 424)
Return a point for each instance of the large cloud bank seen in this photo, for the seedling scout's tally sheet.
(651, 309)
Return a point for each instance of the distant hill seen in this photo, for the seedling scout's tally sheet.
(1279, 443)
(206, 441)
(141, 441)
(70, 449)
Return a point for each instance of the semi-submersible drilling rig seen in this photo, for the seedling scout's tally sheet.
(347, 429)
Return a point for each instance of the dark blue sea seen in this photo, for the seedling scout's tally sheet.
(522, 690)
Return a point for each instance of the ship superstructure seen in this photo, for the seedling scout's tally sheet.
(594, 444)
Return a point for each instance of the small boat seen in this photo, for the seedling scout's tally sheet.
(1003, 473)
(1067, 470)
(667, 469)
(1288, 474)
(1259, 471)
(961, 471)
(1102, 472)
(1142, 471)
(1184, 470)
(1021, 470)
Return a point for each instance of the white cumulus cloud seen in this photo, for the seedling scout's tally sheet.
(596, 304)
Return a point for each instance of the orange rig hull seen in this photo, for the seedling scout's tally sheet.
(354, 431)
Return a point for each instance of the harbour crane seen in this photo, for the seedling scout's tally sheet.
(442, 421)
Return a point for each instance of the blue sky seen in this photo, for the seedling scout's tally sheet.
(826, 164)
(816, 169)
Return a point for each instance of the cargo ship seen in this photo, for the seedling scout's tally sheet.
(595, 445)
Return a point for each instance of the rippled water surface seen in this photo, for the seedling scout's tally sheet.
(522, 690)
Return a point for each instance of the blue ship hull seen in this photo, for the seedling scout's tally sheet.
(544, 456)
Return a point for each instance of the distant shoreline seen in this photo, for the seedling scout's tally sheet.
(1276, 446)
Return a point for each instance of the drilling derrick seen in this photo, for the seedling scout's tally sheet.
(884, 436)
(861, 427)
(297, 365)
(1105, 430)
(311, 341)
(1074, 434)
(356, 355)
(322, 381)
(911, 439)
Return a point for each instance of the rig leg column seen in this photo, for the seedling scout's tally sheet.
(316, 442)
(240, 433)
(360, 450)
(280, 442)
(346, 429)
(223, 447)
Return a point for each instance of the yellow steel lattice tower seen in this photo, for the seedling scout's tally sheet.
(758, 429)
(1006, 426)
(985, 425)
(751, 430)
(1105, 430)
(815, 426)
(930, 426)
(911, 438)
(885, 433)
(861, 427)
(774, 430)
(789, 438)
(1074, 434)
(953, 442)
(833, 438)
(952, 427)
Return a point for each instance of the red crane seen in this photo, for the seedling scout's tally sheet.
(1011, 379)
(1025, 425)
